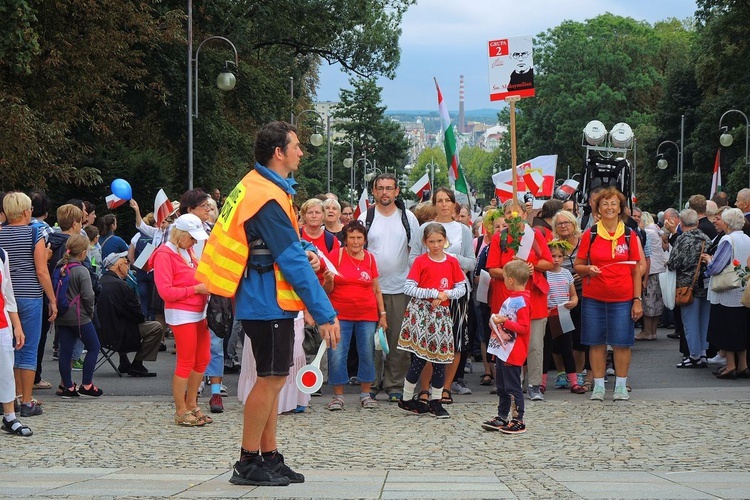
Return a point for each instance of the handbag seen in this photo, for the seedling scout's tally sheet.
(684, 294)
(745, 300)
(668, 282)
(727, 279)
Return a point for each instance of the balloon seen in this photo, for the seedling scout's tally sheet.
(121, 188)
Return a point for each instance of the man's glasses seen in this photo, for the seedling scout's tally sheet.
(520, 55)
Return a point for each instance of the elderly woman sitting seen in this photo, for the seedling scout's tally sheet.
(685, 258)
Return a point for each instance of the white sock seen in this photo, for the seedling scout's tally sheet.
(436, 393)
(621, 381)
(409, 390)
(599, 382)
(10, 417)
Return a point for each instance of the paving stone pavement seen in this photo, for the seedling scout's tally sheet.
(574, 448)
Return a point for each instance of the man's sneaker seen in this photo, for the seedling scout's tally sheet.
(69, 393)
(30, 410)
(277, 465)
(414, 405)
(561, 382)
(437, 410)
(535, 393)
(256, 472)
(77, 365)
(459, 387)
(621, 393)
(514, 427)
(598, 393)
(495, 424)
(91, 392)
(216, 404)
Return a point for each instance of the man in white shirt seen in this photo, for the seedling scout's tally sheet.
(388, 241)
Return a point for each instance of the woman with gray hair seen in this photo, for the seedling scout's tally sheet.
(728, 325)
(685, 260)
(332, 219)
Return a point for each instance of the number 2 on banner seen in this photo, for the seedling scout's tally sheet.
(498, 48)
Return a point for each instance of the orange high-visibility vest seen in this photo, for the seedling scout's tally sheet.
(225, 255)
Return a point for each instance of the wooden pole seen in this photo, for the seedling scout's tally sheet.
(512, 101)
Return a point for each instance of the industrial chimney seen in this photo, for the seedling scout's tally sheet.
(461, 122)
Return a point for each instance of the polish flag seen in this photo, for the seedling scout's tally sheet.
(423, 184)
(569, 187)
(716, 178)
(362, 205)
(162, 206)
(534, 181)
(504, 191)
(114, 202)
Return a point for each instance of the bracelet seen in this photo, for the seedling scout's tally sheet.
(384, 313)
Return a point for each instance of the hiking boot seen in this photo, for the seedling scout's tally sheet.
(514, 427)
(437, 410)
(91, 392)
(414, 405)
(495, 424)
(215, 404)
(256, 472)
(277, 465)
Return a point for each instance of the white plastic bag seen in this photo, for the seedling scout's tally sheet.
(668, 284)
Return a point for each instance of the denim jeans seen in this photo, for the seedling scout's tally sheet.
(215, 366)
(68, 337)
(695, 322)
(30, 313)
(362, 332)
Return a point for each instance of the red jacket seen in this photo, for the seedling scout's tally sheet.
(175, 280)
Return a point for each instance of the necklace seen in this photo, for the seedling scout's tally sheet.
(352, 259)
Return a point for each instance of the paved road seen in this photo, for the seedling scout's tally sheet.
(682, 435)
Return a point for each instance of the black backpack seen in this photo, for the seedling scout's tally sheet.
(329, 238)
(404, 219)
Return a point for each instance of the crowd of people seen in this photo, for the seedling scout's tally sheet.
(520, 291)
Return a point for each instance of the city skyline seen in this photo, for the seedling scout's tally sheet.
(441, 41)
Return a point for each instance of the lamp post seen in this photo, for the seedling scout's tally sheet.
(349, 163)
(662, 163)
(366, 163)
(225, 81)
(726, 138)
(316, 140)
(433, 168)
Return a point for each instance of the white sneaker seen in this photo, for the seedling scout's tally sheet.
(717, 360)
(468, 368)
(459, 387)
(621, 393)
(598, 393)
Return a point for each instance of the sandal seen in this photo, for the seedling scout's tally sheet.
(16, 427)
(486, 379)
(336, 404)
(447, 400)
(577, 389)
(202, 416)
(188, 419)
(588, 385)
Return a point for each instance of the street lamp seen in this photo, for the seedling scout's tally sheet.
(225, 81)
(726, 139)
(663, 164)
(317, 139)
(433, 168)
(349, 163)
(365, 165)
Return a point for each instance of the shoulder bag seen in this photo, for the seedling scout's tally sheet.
(684, 294)
(727, 279)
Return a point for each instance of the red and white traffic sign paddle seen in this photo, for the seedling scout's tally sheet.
(309, 379)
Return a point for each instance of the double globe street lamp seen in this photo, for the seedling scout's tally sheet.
(726, 139)
(316, 139)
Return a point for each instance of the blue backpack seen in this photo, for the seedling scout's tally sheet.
(60, 283)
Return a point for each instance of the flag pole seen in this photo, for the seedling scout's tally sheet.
(512, 101)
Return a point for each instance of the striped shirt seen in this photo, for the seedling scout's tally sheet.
(559, 287)
(16, 241)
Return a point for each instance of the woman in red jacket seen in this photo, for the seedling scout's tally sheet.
(185, 312)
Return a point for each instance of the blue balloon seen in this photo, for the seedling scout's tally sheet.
(121, 188)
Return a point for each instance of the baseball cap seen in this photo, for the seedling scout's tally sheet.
(111, 259)
(193, 225)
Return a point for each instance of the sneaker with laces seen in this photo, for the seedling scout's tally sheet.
(215, 404)
(66, 393)
(414, 405)
(30, 410)
(77, 365)
(223, 391)
(535, 393)
(620, 394)
(336, 404)
(256, 472)
(495, 424)
(437, 410)
(561, 382)
(368, 403)
(459, 387)
(91, 392)
(598, 393)
(515, 426)
(276, 464)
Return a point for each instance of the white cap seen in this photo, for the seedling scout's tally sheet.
(193, 225)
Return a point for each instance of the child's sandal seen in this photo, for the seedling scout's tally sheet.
(188, 419)
(202, 416)
(447, 400)
(15, 427)
(588, 385)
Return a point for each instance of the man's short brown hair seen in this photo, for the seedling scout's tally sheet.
(67, 215)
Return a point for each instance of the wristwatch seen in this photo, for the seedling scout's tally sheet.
(638, 298)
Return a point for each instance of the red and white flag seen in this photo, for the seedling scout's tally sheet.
(423, 184)
(162, 207)
(569, 187)
(716, 179)
(545, 165)
(362, 205)
(534, 181)
(114, 202)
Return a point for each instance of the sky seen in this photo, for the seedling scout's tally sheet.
(448, 38)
